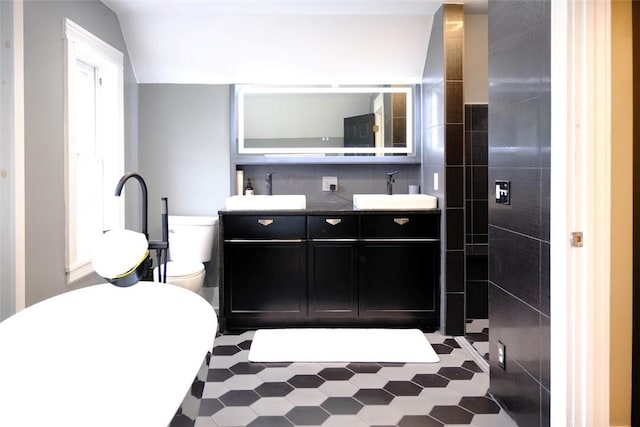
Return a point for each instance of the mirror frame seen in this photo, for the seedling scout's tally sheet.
(246, 155)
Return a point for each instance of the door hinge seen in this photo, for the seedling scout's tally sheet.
(576, 239)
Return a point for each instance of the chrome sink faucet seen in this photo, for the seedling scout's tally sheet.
(269, 181)
(390, 181)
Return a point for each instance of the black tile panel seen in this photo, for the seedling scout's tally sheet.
(454, 102)
(477, 295)
(479, 117)
(468, 183)
(513, 17)
(477, 266)
(523, 214)
(545, 408)
(516, 391)
(453, 47)
(518, 69)
(520, 134)
(468, 213)
(455, 186)
(517, 326)
(514, 264)
(468, 144)
(480, 148)
(545, 281)
(455, 321)
(480, 183)
(480, 219)
(455, 228)
(545, 351)
(480, 238)
(453, 15)
(455, 271)
(545, 204)
(455, 144)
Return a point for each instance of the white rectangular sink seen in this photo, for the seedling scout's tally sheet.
(395, 201)
(281, 201)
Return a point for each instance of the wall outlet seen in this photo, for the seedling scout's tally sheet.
(502, 356)
(329, 183)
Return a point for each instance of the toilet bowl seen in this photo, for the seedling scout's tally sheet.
(190, 245)
(189, 275)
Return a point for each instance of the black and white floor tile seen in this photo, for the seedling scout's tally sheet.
(451, 392)
(477, 333)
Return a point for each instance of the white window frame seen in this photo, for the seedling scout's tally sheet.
(79, 44)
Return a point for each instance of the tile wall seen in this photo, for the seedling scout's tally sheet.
(352, 179)
(444, 156)
(519, 151)
(476, 199)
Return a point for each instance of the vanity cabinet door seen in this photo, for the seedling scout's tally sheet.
(265, 283)
(333, 278)
(333, 268)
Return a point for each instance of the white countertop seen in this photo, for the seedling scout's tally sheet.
(103, 356)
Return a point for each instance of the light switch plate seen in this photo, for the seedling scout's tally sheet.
(503, 192)
(328, 181)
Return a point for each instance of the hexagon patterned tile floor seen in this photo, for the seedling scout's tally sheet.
(451, 392)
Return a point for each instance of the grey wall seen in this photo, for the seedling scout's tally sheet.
(44, 124)
(184, 151)
(519, 151)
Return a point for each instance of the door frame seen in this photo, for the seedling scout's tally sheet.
(635, 382)
(580, 201)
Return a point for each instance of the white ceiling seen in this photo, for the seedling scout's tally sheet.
(278, 41)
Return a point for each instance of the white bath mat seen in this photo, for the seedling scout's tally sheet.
(341, 345)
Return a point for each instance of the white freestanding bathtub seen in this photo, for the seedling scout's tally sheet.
(104, 356)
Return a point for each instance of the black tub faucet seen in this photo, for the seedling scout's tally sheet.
(269, 181)
(143, 186)
(390, 181)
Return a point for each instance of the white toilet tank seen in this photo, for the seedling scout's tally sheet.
(191, 237)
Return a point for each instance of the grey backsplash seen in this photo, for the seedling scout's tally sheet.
(352, 179)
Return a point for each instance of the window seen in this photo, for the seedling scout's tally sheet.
(94, 144)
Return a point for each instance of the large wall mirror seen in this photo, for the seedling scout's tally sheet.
(324, 121)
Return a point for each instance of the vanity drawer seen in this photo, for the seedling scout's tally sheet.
(333, 227)
(400, 226)
(264, 227)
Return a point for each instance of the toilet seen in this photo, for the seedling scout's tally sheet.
(190, 245)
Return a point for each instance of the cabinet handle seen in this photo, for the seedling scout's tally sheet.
(333, 221)
(265, 222)
(401, 221)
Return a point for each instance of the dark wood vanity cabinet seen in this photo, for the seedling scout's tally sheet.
(343, 269)
(399, 268)
(264, 270)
